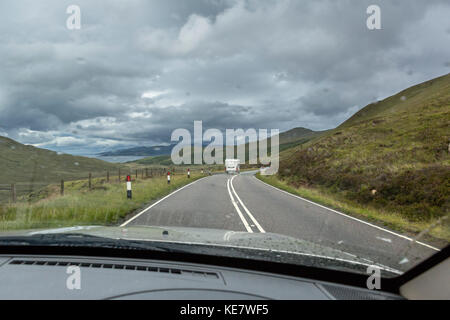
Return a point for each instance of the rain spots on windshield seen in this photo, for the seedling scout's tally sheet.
(80, 60)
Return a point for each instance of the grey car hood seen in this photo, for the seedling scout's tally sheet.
(264, 246)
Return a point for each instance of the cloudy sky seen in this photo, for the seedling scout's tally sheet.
(137, 70)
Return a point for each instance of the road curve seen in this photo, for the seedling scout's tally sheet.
(244, 203)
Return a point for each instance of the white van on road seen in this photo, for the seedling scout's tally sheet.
(232, 166)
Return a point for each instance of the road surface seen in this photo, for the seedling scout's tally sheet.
(244, 203)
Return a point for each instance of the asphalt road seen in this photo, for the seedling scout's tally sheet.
(244, 203)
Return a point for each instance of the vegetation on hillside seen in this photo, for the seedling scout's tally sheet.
(392, 155)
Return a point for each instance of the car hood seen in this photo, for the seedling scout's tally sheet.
(262, 246)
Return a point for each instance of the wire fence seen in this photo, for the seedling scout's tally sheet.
(11, 192)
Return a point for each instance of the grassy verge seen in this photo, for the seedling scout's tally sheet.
(104, 204)
(439, 233)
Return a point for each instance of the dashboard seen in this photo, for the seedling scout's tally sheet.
(78, 277)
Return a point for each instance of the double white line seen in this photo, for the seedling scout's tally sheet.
(255, 224)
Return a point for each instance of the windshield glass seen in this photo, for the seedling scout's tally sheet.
(306, 132)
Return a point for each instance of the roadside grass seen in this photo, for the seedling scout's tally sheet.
(105, 204)
(439, 230)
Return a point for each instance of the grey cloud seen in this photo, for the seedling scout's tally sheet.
(139, 69)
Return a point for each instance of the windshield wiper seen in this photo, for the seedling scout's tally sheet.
(81, 240)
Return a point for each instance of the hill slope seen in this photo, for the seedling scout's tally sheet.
(392, 155)
(297, 136)
(29, 165)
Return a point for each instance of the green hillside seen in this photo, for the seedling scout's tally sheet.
(30, 167)
(392, 155)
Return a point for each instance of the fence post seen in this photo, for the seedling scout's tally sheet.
(13, 192)
(146, 172)
(90, 181)
(107, 176)
(119, 175)
(62, 187)
(136, 174)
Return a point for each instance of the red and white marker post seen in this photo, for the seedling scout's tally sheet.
(129, 196)
(189, 173)
(168, 177)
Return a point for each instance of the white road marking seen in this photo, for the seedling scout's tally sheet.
(247, 227)
(351, 255)
(385, 239)
(245, 208)
(353, 218)
(157, 202)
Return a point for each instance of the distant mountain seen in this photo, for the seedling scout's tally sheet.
(297, 134)
(287, 140)
(140, 151)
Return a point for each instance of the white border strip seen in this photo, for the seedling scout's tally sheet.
(245, 208)
(157, 202)
(350, 217)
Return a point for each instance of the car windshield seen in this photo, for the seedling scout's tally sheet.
(304, 132)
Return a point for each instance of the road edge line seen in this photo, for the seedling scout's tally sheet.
(350, 217)
(157, 202)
